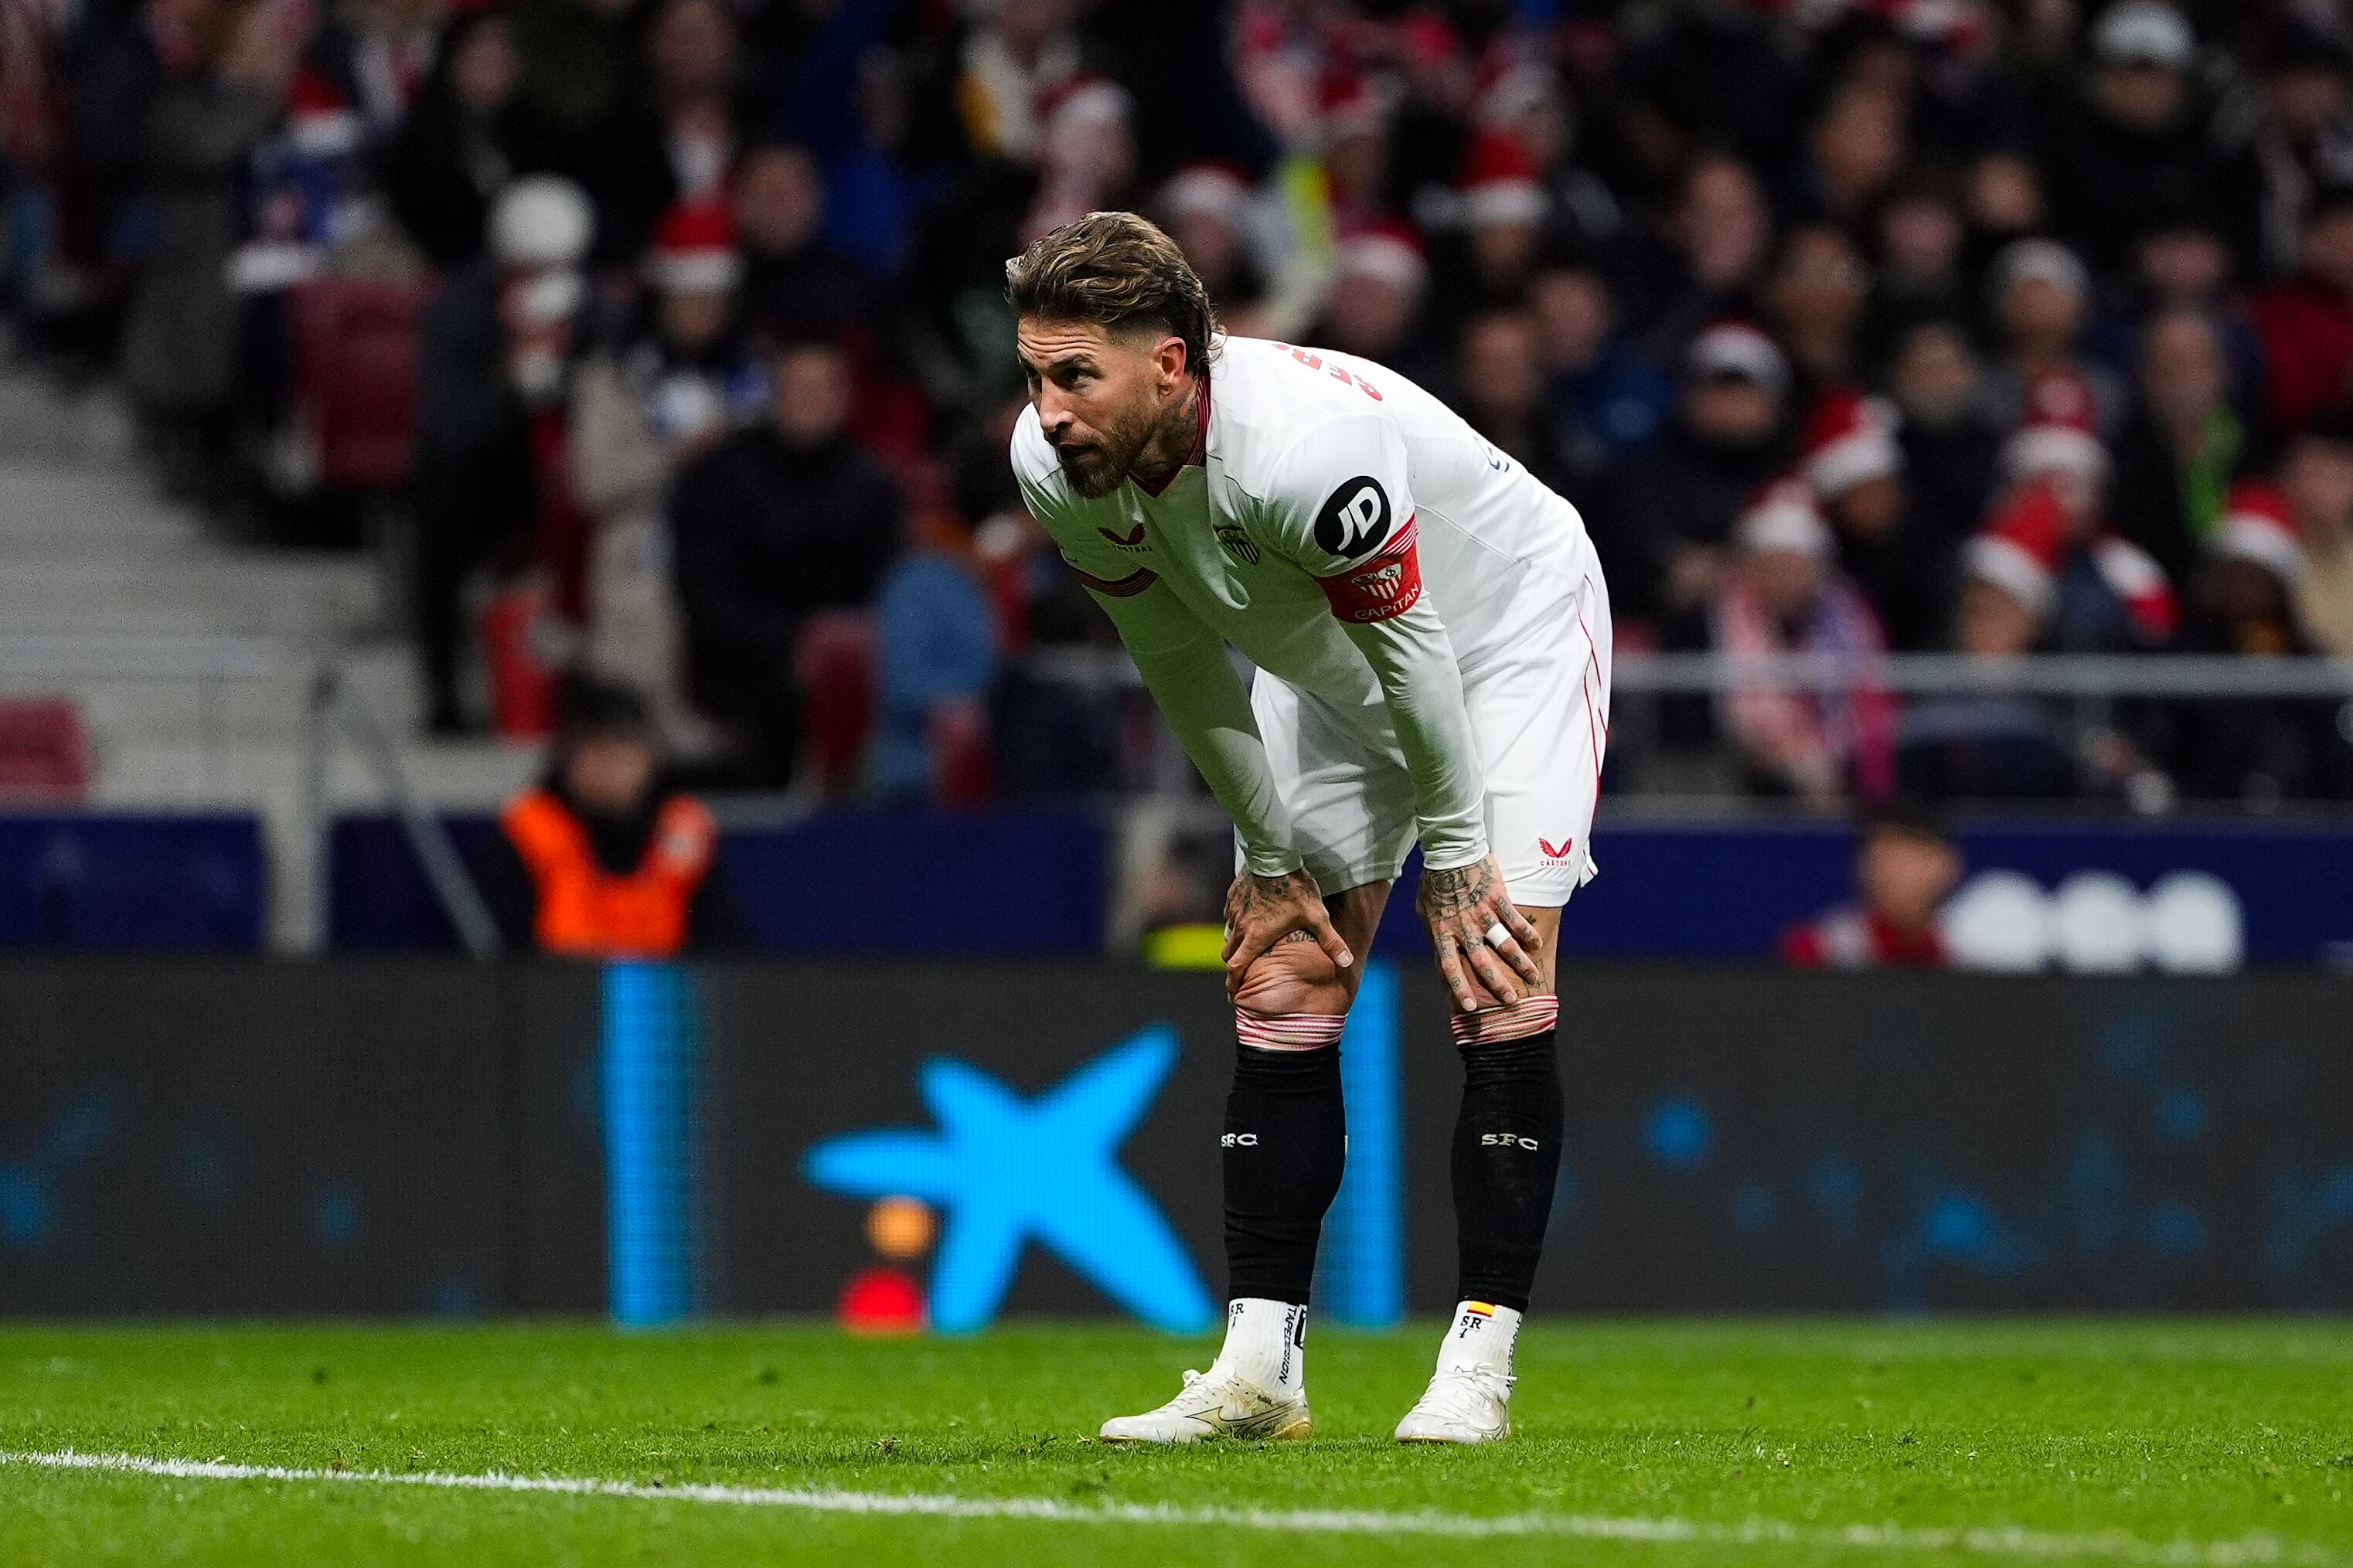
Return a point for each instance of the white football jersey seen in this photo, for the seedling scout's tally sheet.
(1315, 469)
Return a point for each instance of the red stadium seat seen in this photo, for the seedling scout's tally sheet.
(960, 770)
(355, 376)
(44, 750)
(835, 663)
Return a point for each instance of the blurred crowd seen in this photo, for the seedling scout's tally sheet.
(667, 339)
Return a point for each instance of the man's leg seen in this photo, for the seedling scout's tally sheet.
(1506, 1161)
(1507, 1157)
(1286, 1133)
(1285, 1143)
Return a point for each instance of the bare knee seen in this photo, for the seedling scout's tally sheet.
(1295, 976)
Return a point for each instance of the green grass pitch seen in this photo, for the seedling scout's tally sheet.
(1669, 1443)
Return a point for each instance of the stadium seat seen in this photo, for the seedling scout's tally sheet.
(525, 648)
(835, 664)
(960, 770)
(44, 750)
(355, 376)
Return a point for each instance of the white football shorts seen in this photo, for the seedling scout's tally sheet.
(1540, 717)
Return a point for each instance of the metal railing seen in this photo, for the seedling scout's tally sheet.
(337, 710)
(338, 706)
(2150, 674)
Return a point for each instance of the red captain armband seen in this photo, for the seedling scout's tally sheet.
(1381, 587)
(1126, 588)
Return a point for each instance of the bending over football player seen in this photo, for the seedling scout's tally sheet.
(1431, 638)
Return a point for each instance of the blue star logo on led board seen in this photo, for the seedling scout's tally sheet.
(1008, 1170)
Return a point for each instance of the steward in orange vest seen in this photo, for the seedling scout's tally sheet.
(599, 861)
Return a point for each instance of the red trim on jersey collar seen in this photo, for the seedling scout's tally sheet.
(1200, 452)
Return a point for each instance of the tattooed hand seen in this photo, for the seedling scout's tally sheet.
(1460, 907)
(1263, 911)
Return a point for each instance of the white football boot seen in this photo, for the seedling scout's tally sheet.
(1257, 1388)
(1463, 1404)
(1470, 1396)
(1215, 1404)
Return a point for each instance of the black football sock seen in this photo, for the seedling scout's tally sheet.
(1506, 1148)
(1286, 1138)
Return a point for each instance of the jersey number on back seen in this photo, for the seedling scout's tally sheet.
(1314, 361)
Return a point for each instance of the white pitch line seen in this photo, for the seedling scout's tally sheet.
(2113, 1546)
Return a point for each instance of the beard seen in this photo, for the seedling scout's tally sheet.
(1099, 466)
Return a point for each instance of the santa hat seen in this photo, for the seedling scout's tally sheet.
(319, 120)
(1205, 190)
(2022, 546)
(2059, 432)
(1737, 348)
(1784, 516)
(695, 249)
(1848, 439)
(2259, 525)
(1499, 182)
(1387, 252)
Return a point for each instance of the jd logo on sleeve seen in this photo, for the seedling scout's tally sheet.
(1356, 519)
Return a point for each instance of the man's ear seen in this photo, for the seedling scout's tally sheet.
(1170, 356)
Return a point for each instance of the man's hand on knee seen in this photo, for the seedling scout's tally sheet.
(1261, 911)
(1294, 976)
(1487, 951)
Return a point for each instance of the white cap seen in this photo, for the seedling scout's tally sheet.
(2045, 258)
(1736, 348)
(1207, 190)
(541, 220)
(2144, 32)
(1785, 529)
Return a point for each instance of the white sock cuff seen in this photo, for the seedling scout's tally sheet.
(1501, 1317)
(1266, 1342)
(1483, 1335)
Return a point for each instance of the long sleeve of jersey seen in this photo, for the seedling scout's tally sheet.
(1184, 665)
(1343, 510)
(1414, 660)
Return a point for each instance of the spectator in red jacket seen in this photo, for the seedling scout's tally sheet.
(2306, 324)
(1905, 866)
